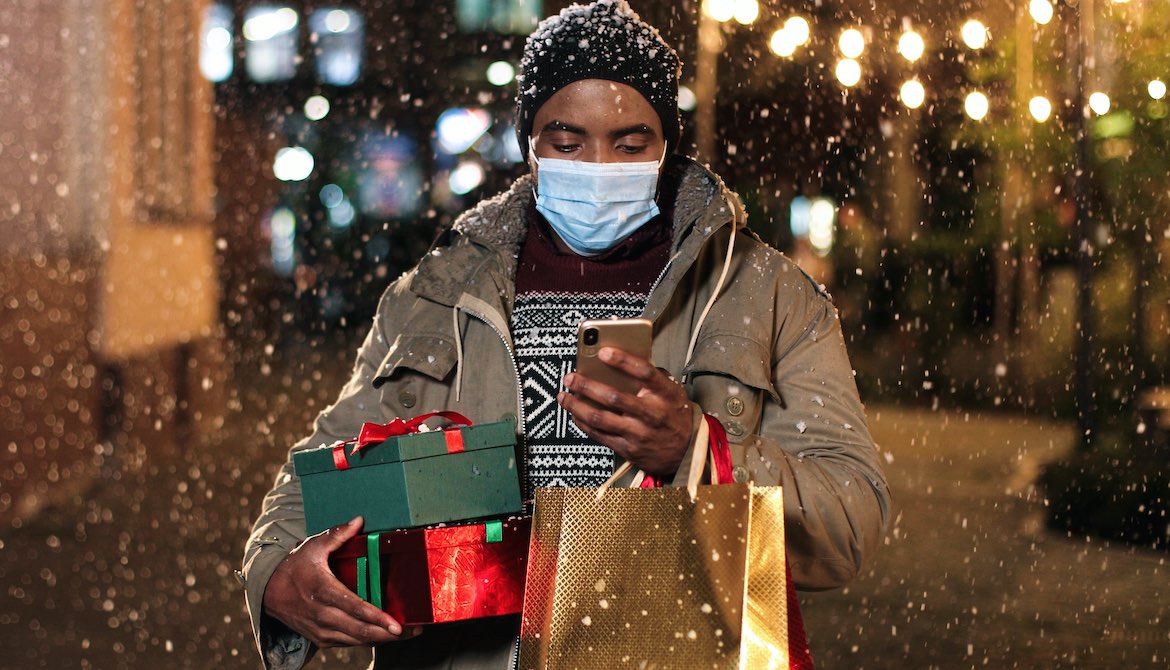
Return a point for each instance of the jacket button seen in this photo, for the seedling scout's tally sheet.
(734, 406)
(740, 474)
(509, 417)
(735, 428)
(406, 399)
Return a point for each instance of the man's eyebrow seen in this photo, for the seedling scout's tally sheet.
(563, 127)
(639, 129)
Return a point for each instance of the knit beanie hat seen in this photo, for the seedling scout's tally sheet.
(607, 40)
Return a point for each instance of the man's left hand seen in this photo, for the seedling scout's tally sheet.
(651, 429)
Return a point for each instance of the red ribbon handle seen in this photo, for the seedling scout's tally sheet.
(720, 452)
(375, 433)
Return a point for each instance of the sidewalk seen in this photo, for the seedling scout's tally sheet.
(141, 574)
(970, 578)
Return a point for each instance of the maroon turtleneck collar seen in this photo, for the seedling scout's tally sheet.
(631, 265)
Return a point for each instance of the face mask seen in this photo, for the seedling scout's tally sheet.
(593, 206)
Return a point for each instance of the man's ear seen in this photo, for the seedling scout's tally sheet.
(532, 162)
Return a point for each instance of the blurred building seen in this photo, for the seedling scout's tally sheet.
(108, 277)
(348, 136)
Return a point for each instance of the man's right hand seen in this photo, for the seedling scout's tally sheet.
(305, 595)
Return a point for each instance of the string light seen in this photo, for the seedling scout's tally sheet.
(1157, 89)
(1041, 11)
(976, 105)
(746, 11)
(911, 45)
(974, 34)
(848, 72)
(1040, 108)
(797, 27)
(720, 10)
(1099, 103)
(851, 43)
(913, 94)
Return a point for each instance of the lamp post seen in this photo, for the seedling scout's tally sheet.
(712, 16)
(1081, 31)
(706, 66)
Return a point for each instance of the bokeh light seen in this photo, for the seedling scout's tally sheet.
(1099, 102)
(976, 105)
(798, 29)
(1040, 108)
(1156, 89)
(912, 94)
(720, 10)
(848, 72)
(501, 73)
(974, 34)
(316, 107)
(851, 43)
(1041, 11)
(746, 11)
(911, 45)
(292, 164)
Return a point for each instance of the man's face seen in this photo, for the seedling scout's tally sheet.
(598, 121)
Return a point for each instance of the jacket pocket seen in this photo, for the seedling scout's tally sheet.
(408, 372)
(730, 377)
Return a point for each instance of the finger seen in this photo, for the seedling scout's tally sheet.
(635, 366)
(601, 394)
(649, 407)
(326, 639)
(413, 631)
(332, 539)
(335, 594)
(599, 422)
(339, 626)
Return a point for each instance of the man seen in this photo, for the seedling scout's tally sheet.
(610, 223)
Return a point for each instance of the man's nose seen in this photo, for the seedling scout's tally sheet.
(599, 153)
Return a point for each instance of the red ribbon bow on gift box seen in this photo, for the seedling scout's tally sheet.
(376, 433)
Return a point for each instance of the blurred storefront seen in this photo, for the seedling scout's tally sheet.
(108, 274)
(267, 167)
(349, 136)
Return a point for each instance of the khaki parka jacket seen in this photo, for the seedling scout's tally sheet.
(769, 362)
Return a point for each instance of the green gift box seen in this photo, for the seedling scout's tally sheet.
(411, 479)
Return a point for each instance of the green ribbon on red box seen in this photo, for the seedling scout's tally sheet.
(374, 566)
(375, 433)
(369, 567)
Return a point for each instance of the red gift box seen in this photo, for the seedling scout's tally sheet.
(439, 574)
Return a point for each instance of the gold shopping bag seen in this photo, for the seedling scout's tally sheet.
(661, 578)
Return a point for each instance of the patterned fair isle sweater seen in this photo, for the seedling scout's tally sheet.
(555, 291)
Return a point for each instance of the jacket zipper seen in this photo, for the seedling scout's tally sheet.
(515, 664)
(661, 276)
(519, 394)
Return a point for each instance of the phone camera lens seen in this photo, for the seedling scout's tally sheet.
(590, 336)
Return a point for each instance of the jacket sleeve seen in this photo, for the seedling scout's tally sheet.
(280, 526)
(813, 440)
(783, 387)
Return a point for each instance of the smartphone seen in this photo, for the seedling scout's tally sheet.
(632, 336)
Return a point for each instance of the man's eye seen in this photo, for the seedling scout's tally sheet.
(566, 148)
(631, 149)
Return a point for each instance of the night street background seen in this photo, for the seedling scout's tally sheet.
(141, 574)
(201, 202)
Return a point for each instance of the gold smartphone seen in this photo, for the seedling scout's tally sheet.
(632, 336)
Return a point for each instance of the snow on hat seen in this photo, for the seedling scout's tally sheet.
(607, 40)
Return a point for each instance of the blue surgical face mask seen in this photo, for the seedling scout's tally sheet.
(593, 206)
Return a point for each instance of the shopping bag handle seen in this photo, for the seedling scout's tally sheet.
(698, 455)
